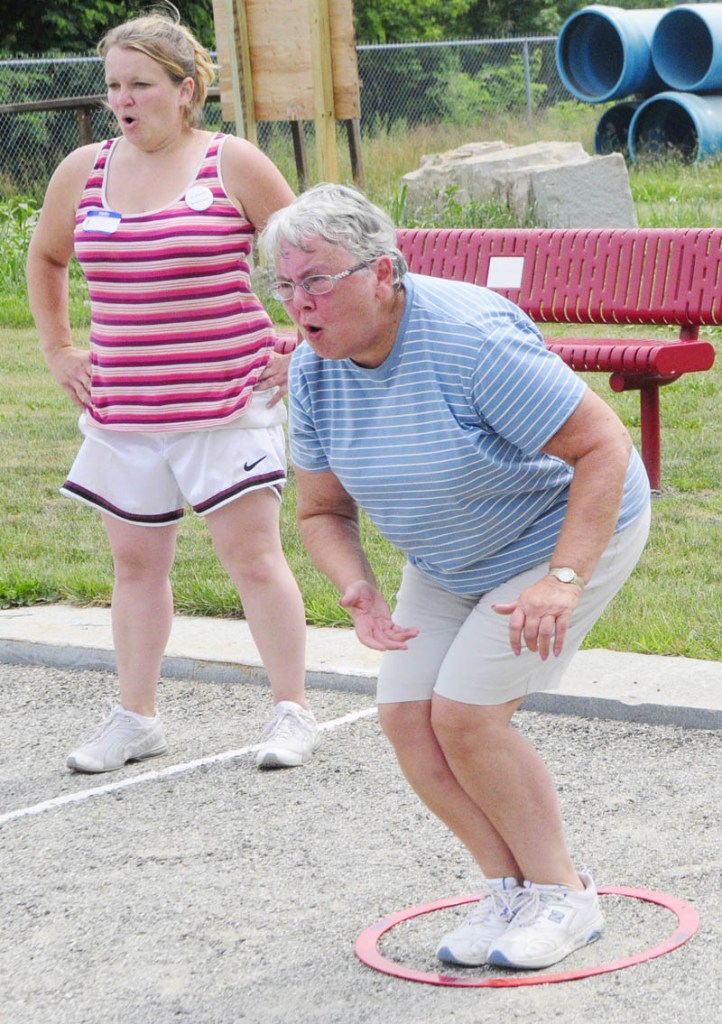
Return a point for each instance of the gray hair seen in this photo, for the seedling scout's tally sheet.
(339, 215)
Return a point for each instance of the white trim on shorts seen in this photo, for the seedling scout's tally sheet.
(147, 478)
(462, 651)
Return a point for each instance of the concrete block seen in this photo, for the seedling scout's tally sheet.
(557, 182)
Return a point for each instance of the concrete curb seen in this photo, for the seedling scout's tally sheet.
(599, 684)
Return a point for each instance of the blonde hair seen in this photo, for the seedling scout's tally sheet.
(161, 36)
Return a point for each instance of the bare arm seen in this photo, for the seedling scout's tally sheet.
(49, 254)
(328, 521)
(259, 189)
(595, 442)
(253, 181)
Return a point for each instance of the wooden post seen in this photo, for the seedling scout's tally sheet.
(244, 70)
(323, 100)
(84, 132)
(299, 152)
(292, 61)
(234, 61)
(353, 133)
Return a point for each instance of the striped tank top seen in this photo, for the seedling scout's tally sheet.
(178, 340)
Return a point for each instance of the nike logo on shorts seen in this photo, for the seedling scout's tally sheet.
(248, 466)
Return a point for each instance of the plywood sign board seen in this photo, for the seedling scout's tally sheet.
(280, 47)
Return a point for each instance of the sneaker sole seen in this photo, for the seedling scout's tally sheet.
(87, 769)
(445, 954)
(274, 760)
(497, 959)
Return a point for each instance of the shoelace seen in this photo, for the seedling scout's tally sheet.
(115, 715)
(534, 903)
(281, 725)
(502, 902)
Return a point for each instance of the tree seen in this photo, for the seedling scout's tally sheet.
(66, 26)
(423, 20)
(393, 21)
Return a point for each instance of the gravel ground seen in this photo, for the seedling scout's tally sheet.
(221, 894)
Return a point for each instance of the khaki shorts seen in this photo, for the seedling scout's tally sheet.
(148, 478)
(462, 651)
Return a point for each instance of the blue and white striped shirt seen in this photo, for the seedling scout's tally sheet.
(441, 444)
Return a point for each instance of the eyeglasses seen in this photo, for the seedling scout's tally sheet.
(317, 284)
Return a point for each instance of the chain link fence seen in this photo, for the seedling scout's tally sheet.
(463, 84)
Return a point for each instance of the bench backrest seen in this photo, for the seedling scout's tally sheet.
(584, 275)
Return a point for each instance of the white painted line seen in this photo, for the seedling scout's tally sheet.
(162, 773)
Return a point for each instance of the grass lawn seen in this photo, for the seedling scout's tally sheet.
(52, 549)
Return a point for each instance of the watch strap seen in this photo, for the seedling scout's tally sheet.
(565, 574)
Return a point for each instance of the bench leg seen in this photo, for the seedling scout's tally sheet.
(651, 441)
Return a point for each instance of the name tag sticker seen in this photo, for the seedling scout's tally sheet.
(106, 222)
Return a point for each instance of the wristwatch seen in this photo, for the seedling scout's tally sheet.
(566, 575)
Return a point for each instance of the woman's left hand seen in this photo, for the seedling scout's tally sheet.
(275, 375)
(541, 616)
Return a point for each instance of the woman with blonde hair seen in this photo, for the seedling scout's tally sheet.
(181, 391)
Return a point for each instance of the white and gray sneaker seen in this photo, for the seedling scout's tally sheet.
(551, 922)
(290, 737)
(469, 943)
(123, 736)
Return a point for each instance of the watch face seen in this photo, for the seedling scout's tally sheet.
(565, 575)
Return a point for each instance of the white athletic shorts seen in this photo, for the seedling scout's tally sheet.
(148, 478)
(462, 651)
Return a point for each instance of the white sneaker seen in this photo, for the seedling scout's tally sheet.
(121, 738)
(550, 923)
(469, 943)
(290, 737)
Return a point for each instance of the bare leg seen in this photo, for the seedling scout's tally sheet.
(142, 607)
(504, 776)
(481, 778)
(408, 726)
(247, 539)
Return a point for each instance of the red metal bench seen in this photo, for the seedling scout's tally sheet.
(649, 277)
(597, 276)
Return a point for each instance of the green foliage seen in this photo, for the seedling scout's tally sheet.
(465, 99)
(498, 19)
(35, 26)
(18, 217)
(668, 193)
(427, 20)
(508, 84)
(35, 142)
(421, 74)
(393, 21)
(445, 209)
(52, 549)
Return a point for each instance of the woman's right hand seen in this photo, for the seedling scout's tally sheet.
(70, 367)
(372, 619)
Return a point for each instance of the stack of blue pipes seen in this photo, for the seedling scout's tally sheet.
(664, 65)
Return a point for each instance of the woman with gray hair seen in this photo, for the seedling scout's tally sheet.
(521, 506)
(180, 392)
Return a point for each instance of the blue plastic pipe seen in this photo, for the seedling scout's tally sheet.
(605, 53)
(612, 134)
(680, 125)
(687, 47)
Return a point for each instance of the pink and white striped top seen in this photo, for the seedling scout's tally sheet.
(178, 340)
